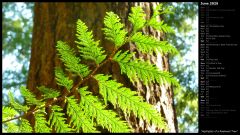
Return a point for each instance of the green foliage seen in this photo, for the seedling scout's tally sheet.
(25, 126)
(30, 98)
(16, 105)
(12, 128)
(93, 108)
(8, 113)
(58, 121)
(128, 101)
(52, 93)
(148, 44)
(70, 60)
(146, 72)
(160, 9)
(41, 124)
(89, 49)
(161, 26)
(62, 80)
(137, 18)
(78, 118)
(79, 110)
(114, 30)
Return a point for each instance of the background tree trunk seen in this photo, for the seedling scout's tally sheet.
(56, 21)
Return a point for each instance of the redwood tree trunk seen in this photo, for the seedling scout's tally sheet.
(56, 21)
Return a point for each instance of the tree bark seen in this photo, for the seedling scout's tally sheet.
(56, 21)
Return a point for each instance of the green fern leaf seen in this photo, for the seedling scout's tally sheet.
(168, 10)
(161, 26)
(148, 44)
(25, 126)
(70, 60)
(128, 100)
(8, 113)
(49, 92)
(62, 80)
(93, 108)
(12, 127)
(57, 120)
(41, 124)
(78, 119)
(146, 72)
(137, 18)
(114, 30)
(16, 105)
(157, 10)
(30, 98)
(160, 9)
(89, 49)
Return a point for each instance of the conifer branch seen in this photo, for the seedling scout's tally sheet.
(48, 104)
(78, 118)
(114, 30)
(149, 44)
(70, 60)
(88, 48)
(41, 124)
(30, 98)
(90, 112)
(16, 105)
(75, 87)
(146, 72)
(5, 121)
(137, 18)
(48, 92)
(94, 109)
(25, 126)
(128, 100)
(58, 121)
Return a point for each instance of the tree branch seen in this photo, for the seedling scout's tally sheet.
(35, 110)
(95, 70)
(72, 90)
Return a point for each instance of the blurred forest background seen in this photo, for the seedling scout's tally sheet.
(17, 24)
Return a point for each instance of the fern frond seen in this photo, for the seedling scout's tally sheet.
(30, 97)
(88, 48)
(156, 10)
(146, 72)
(8, 113)
(93, 108)
(160, 9)
(168, 10)
(49, 92)
(114, 30)
(57, 120)
(62, 80)
(78, 119)
(128, 100)
(16, 105)
(161, 26)
(137, 18)
(12, 127)
(41, 124)
(25, 126)
(148, 44)
(70, 60)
